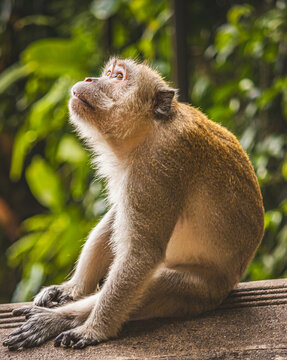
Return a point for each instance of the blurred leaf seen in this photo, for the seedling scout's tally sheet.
(237, 11)
(13, 74)
(279, 85)
(284, 169)
(30, 284)
(220, 113)
(256, 271)
(155, 24)
(226, 91)
(71, 150)
(39, 20)
(226, 40)
(22, 144)
(45, 184)
(37, 222)
(38, 117)
(40, 123)
(199, 88)
(59, 57)
(272, 219)
(247, 138)
(21, 247)
(103, 9)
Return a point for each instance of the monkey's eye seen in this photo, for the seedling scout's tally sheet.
(120, 75)
(108, 73)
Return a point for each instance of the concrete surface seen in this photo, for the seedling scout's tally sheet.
(251, 324)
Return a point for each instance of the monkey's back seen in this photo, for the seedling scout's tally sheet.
(222, 222)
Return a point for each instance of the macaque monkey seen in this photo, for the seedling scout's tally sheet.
(185, 216)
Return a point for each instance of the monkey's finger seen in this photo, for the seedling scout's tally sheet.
(14, 347)
(47, 296)
(11, 341)
(80, 344)
(14, 339)
(67, 340)
(23, 328)
(30, 325)
(63, 299)
(33, 342)
(5, 342)
(83, 343)
(26, 339)
(58, 340)
(23, 344)
(16, 332)
(46, 301)
(64, 339)
(49, 303)
(59, 295)
(24, 310)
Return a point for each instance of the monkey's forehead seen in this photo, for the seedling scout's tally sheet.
(125, 63)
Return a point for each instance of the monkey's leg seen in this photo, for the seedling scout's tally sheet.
(43, 324)
(182, 291)
(120, 295)
(142, 229)
(92, 266)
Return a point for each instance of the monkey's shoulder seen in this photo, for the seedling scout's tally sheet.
(204, 135)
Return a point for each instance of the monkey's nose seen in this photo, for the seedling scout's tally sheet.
(90, 79)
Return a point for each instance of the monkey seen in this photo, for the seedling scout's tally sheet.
(185, 213)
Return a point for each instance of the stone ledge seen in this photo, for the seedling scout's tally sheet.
(250, 324)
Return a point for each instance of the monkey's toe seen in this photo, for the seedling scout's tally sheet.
(20, 339)
(29, 311)
(65, 298)
(62, 339)
(74, 339)
(46, 297)
(66, 339)
(52, 296)
(24, 310)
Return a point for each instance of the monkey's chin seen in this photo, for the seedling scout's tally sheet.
(79, 110)
(79, 103)
(79, 113)
(85, 128)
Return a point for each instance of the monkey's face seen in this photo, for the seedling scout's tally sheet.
(127, 98)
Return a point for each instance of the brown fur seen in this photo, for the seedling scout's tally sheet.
(186, 211)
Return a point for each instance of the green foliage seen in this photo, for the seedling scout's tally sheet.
(45, 150)
(12, 74)
(104, 9)
(249, 95)
(45, 184)
(237, 77)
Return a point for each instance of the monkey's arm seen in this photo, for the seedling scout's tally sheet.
(92, 266)
(43, 324)
(99, 316)
(140, 243)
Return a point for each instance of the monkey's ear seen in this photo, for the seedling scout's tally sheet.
(163, 101)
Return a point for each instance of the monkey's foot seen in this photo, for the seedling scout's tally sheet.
(59, 294)
(41, 325)
(77, 338)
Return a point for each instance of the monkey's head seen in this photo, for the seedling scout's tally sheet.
(128, 98)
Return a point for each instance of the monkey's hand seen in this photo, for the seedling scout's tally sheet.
(59, 294)
(41, 325)
(78, 338)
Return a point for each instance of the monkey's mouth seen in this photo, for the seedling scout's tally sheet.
(83, 100)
